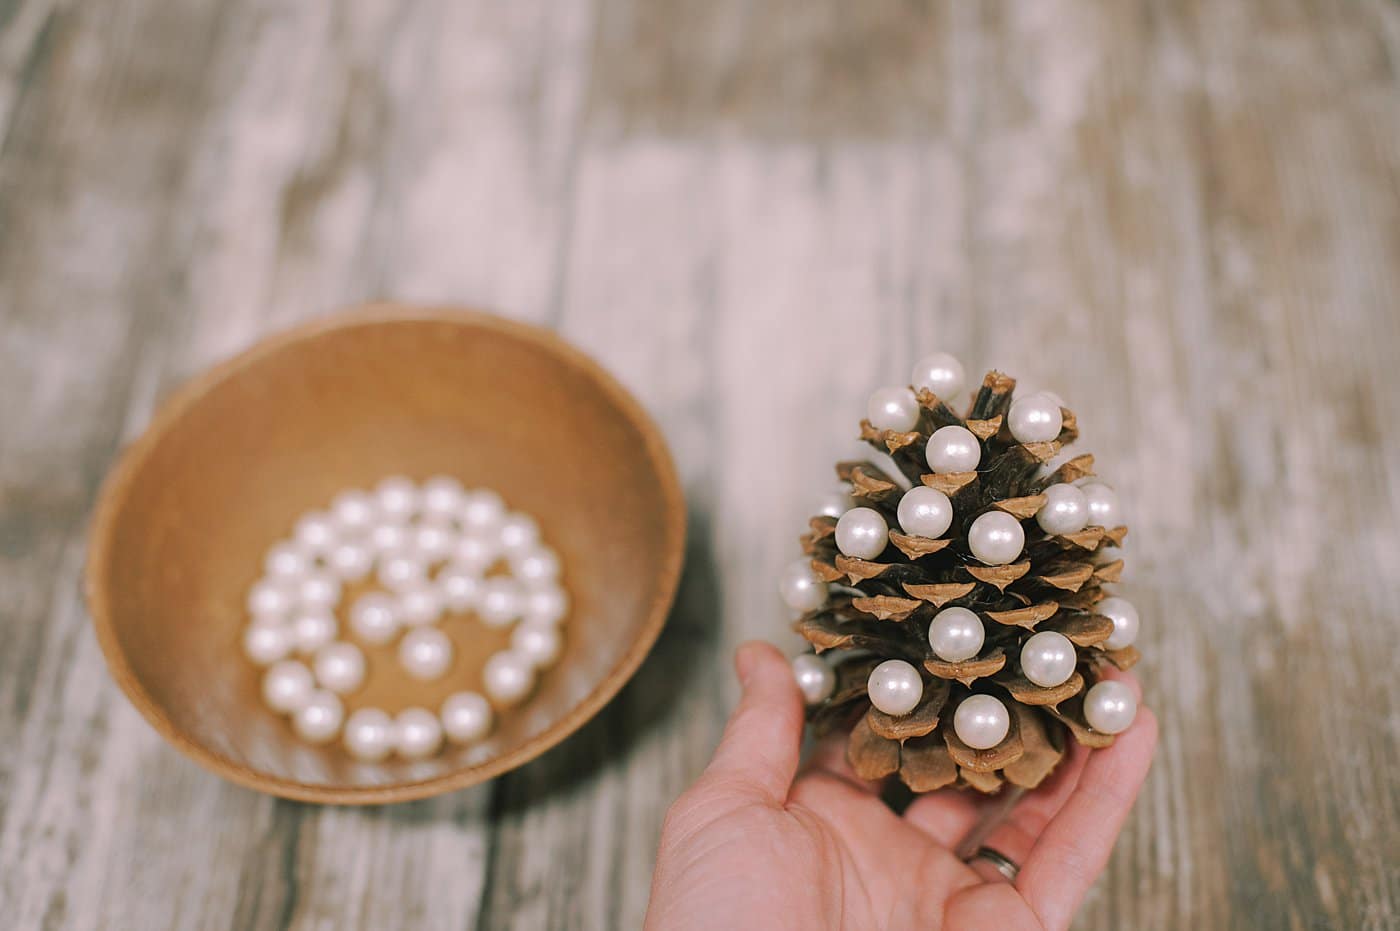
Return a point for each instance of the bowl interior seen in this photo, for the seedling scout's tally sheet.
(227, 468)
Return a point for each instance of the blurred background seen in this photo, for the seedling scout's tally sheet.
(1184, 217)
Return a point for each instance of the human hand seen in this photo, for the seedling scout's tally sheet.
(755, 844)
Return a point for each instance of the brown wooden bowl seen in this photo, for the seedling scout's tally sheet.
(236, 456)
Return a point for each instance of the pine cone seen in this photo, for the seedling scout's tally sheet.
(879, 606)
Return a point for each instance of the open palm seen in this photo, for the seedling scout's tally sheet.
(755, 844)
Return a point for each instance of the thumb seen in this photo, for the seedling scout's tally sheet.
(759, 750)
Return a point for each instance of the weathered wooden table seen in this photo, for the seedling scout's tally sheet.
(1185, 217)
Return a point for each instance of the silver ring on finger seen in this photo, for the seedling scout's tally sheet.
(1000, 861)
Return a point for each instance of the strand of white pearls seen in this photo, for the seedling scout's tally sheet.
(430, 548)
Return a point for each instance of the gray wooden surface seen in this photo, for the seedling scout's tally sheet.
(1185, 217)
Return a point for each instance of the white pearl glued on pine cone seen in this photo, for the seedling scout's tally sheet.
(286, 685)
(1110, 707)
(374, 618)
(1125, 622)
(287, 560)
(941, 374)
(996, 538)
(417, 733)
(398, 571)
(475, 552)
(466, 717)
(319, 718)
(318, 590)
(1065, 510)
(1103, 505)
(517, 534)
(956, 634)
(482, 510)
(952, 449)
(815, 677)
(425, 653)
(835, 503)
(535, 565)
(508, 677)
(981, 721)
(272, 599)
(370, 734)
(339, 667)
(500, 602)
(893, 409)
(862, 533)
(458, 586)
(316, 532)
(266, 642)
(925, 512)
(548, 604)
(441, 496)
(385, 539)
(1048, 659)
(537, 641)
(397, 499)
(1035, 419)
(312, 629)
(351, 560)
(420, 604)
(895, 687)
(800, 588)
(432, 539)
(354, 512)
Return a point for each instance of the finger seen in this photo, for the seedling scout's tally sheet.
(945, 815)
(1015, 836)
(1076, 844)
(828, 759)
(758, 752)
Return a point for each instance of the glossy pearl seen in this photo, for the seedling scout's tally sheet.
(313, 629)
(351, 561)
(835, 503)
(319, 718)
(286, 685)
(425, 653)
(925, 512)
(895, 687)
(996, 538)
(862, 533)
(397, 498)
(420, 604)
(981, 721)
(1103, 506)
(815, 677)
(499, 602)
(475, 552)
(417, 733)
(340, 667)
(1034, 419)
(518, 533)
(1110, 707)
(549, 605)
(287, 560)
(369, 734)
(466, 717)
(956, 634)
(952, 449)
(354, 512)
(385, 539)
(1065, 510)
(800, 588)
(460, 587)
(539, 642)
(318, 590)
(940, 373)
(374, 618)
(266, 642)
(893, 409)
(535, 566)
(1125, 622)
(1048, 658)
(316, 532)
(442, 496)
(508, 677)
(398, 571)
(271, 599)
(433, 540)
(482, 510)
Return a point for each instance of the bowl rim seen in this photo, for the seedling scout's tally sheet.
(117, 485)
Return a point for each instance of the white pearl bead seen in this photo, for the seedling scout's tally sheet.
(425, 653)
(815, 677)
(266, 642)
(499, 602)
(862, 533)
(895, 687)
(387, 538)
(482, 510)
(286, 685)
(952, 449)
(433, 539)
(535, 566)
(508, 677)
(374, 618)
(466, 717)
(925, 512)
(1125, 622)
(272, 599)
(398, 571)
(460, 587)
(981, 721)
(956, 634)
(318, 590)
(369, 734)
(352, 561)
(835, 503)
(548, 605)
(893, 409)
(313, 628)
(1110, 707)
(420, 604)
(800, 588)
(316, 532)
(940, 373)
(475, 552)
(417, 733)
(1103, 506)
(287, 560)
(1034, 419)
(537, 641)
(354, 512)
(340, 667)
(518, 533)
(319, 718)
(996, 538)
(397, 498)
(1048, 658)
(1065, 510)
(441, 496)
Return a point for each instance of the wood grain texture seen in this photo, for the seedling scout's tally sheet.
(1184, 216)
